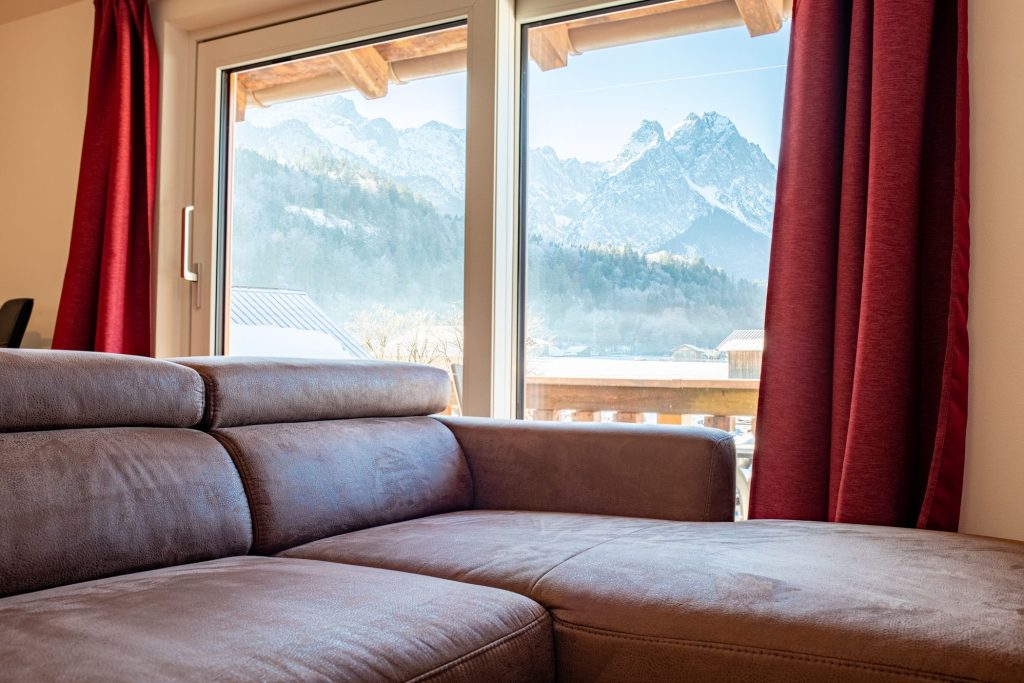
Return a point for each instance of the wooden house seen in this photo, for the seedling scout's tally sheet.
(744, 348)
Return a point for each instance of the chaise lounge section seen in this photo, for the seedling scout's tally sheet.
(299, 520)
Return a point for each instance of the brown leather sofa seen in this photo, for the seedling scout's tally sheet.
(232, 519)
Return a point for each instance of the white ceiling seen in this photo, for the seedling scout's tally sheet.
(18, 9)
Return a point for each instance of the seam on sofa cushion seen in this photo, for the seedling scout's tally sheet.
(209, 407)
(765, 652)
(200, 391)
(529, 591)
(540, 621)
(245, 474)
(465, 461)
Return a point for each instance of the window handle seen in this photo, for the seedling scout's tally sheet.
(187, 273)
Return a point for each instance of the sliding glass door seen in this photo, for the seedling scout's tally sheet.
(346, 202)
(650, 140)
(331, 193)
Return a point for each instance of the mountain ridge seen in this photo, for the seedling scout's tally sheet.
(702, 172)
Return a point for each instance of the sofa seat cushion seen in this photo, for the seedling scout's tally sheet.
(267, 619)
(503, 549)
(751, 601)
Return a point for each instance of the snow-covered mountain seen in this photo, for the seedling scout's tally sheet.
(429, 161)
(701, 189)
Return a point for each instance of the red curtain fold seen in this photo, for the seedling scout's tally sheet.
(863, 409)
(106, 301)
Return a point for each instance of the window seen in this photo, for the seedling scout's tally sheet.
(345, 216)
(650, 149)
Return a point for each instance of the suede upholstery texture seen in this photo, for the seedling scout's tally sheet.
(310, 480)
(606, 469)
(78, 505)
(69, 389)
(501, 548)
(258, 619)
(645, 600)
(81, 504)
(249, 391)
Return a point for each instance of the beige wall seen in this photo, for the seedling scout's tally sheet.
(18, 9)
(43, 90)
(994, 482)
(43, 112)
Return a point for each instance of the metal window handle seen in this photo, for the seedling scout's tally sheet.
(186, 245)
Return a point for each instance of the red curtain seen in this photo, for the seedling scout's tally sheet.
(863, 407)
(106, 301)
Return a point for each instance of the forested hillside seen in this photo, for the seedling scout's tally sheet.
(355, 241)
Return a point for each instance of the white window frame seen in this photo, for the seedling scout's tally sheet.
(490, 160)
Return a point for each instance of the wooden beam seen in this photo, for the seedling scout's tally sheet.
(550, 46)
(761, 16)
(654, 26)
(286, 72)
(424, 45)
(241, 100)
(646, 11)
(365, 68)
(401, 49)
(405, 70)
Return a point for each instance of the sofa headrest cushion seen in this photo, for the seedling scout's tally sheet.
(68, 389)
(247, 391)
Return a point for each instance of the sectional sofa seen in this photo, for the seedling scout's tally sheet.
(223, 519)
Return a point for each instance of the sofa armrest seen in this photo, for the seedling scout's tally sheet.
(661, 472)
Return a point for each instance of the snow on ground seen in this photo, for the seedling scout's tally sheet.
(626, 368)
(259, 340)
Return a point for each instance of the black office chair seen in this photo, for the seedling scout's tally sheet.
(14, 315)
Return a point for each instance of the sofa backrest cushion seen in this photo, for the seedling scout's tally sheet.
(310, 480)
(81, 504)
(250, 391)
(66, 389)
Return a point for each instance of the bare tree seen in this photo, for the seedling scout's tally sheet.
(415, 336)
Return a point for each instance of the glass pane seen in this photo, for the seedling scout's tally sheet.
(345, 211)
(652, 145)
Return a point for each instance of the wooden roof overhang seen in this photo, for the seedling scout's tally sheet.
(371, 69)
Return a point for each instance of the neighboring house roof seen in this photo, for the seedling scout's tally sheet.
(743, 340)
(288, 309)
(689, 347)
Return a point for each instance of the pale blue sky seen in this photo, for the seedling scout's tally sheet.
(442, 98)
(588, 109)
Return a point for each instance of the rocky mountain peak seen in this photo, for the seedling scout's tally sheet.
(708, 125)
(649, 135)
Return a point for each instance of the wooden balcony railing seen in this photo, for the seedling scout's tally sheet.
(672, 399)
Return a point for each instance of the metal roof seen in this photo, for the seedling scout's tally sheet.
(287, 309)
(743, 340)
